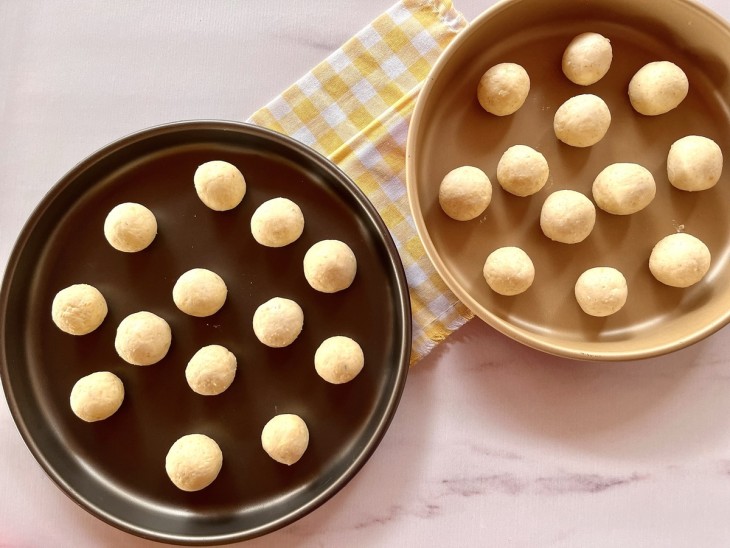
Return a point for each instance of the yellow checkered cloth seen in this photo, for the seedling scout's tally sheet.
(355, 108)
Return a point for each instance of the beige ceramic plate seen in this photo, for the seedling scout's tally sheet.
(450, 129)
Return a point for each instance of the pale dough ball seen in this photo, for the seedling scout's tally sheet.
(465, 193)
(199, 292)
(522, 170)
(623, 189)
(657, 88)
(587, 58)
(338, 359)
(278, 322)
(601, 291)
(219, 185)
(694, 163)
(330, 266)
(277, 222)
(503, 89)
(97, 396)
(509, 271)
(193, 462)
(679, 260)
(130, 227)
(78, 309)
(143, 338)
(582, 120)
(285, 438)
(211, 370)
(567, 216)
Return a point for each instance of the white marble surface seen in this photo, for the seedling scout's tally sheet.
(507, 447)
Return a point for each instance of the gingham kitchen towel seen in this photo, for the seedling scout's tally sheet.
(355, 107)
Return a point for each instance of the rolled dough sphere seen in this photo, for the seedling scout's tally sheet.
(657, 88)
(567, 216)
(193, 462)
(338, 359)
(694, 163)
(130, 227)
(211, 370)
(199, 292)
(522, 170)
(623, 189)
(509, 271)
(503, 89)
(97, 396)
(143, 338)
(278, 322)
(277, 222)
(679, 260)
(601, 291)
(285, 438)
(582, 120)
(465, 193)
(330, 266)
(219, 185)
(587, 58)
(78, 309)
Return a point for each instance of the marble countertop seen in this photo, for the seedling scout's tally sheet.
(509, 447)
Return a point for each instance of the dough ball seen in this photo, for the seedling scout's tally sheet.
(277, 222)
(587, 58)
(503, 89)
(582, 120)
(694, 163)
(657, 88)
(338, 359)
(130, 227)
(278, 322)
(522, 170)
(601, 291)
(679, 260)
(199, 292)
(143, 338)
(193, 462)
(97, 396)
(623, 189)
(509, 271)
(78, 309)
(465, 193)
(285, 438)
(211, 370)
(567, 216)
(219, 185)
(330, 266)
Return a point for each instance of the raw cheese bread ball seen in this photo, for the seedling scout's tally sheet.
(679, 260)
(199, 292)
(211, 370)
(601, 291)
(143, 338)
(694, 163)
(587, 58)
(78, 309)
(623, 189)
(278, 322)
(657, 88)
(130, 227)
(277, 222)
(330, 266)
(97, 396)
(522, 170)
(338, 359)
(285, 438)
(509, 271)
(567, 216)
(503, 89)
(465, 193)
(193, 462)
(582, 120)
(219, 185)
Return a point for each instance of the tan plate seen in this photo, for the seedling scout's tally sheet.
(450, 129)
